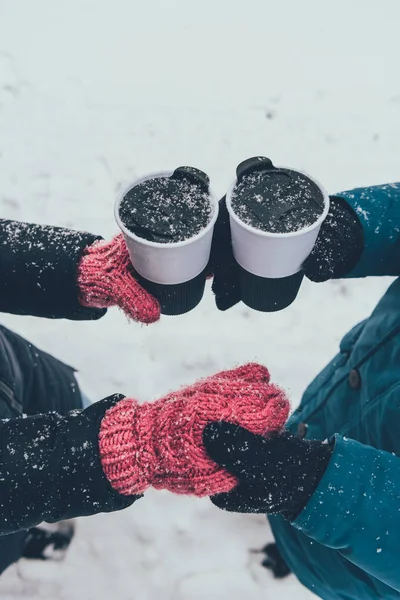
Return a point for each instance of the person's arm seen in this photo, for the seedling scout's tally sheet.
(38, 271)
(360, 236)
(378, 209)
(50, 468)
(356, 509)
(343, 494)
(57, 273)
(104, 457)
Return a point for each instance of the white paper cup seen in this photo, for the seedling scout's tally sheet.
(174, 269)
(272, 256)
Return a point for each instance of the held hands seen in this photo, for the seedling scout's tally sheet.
(160, 444)
(221, 437)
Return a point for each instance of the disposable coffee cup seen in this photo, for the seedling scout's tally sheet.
(293, 206)
(152, 214)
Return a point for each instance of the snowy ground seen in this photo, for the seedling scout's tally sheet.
(95, 93)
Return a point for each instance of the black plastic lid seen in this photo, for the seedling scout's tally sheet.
(168, 209)
(275, 200)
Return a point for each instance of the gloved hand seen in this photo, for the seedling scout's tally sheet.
(277, 475)
(222, 264)
(339, 244)
(338, 248)
(106, 278)
(160, 443)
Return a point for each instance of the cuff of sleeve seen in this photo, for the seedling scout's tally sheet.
(38, 271)
(376, 209)
(78, 312)
(334, 499)
(93, 494)
(118, 441)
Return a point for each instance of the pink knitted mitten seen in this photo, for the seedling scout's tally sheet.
(105, 278)
(160, 444)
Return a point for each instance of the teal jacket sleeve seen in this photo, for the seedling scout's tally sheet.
(378, 209)
(356, 509)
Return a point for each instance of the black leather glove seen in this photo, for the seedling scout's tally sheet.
(276, 475)
(338, 248)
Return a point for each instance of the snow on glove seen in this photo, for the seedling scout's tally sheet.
(339, 244)
(160, 444)
(106, 278)
(276, 475)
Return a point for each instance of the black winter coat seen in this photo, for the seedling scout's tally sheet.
(49, 463)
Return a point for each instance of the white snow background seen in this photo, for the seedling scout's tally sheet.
(96, 93)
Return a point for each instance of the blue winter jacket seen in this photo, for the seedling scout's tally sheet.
(345, 545)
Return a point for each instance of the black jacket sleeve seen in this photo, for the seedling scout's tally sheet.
(50, 468)
(38, 271)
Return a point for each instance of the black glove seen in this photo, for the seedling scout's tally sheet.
(339, 245)
(338, 248)
(222, 263)
(277, 475)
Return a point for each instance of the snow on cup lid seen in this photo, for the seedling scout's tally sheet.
(167, 220)
(275, 217)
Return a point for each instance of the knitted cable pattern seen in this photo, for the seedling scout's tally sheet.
(159, 444)
(105, 278)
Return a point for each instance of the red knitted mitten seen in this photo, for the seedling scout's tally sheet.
(160, 444)
(105, 278)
